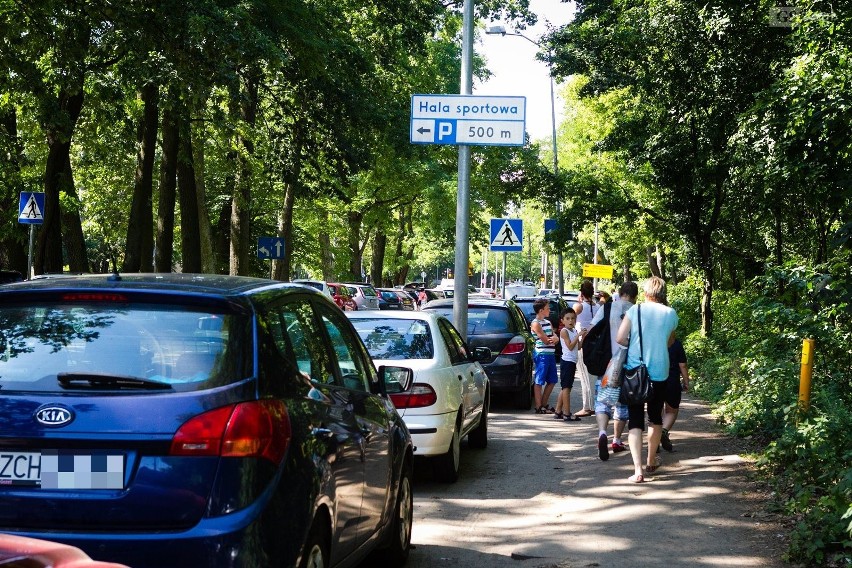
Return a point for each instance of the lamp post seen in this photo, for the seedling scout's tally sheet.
(501, 30)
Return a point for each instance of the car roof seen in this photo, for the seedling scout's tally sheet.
(394, 314)
(196, 284)
(475, 301)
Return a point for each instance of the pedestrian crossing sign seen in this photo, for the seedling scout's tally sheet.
(507, 235)
(31, 208)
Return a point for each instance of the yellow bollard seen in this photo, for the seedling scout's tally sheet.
(806, 374)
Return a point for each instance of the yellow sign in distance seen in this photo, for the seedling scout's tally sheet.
(597, 270)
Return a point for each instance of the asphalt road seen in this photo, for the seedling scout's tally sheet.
(539, 496)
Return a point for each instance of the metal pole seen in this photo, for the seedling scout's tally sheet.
(596, 251)
(556, 172)
(503, 291)
(30, 257)
(463, 196)
(806, 374)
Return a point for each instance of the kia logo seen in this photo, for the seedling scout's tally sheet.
(54, 415)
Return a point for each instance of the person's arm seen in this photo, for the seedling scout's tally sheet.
(578, 308)
(536, 329)
(671, 338)
(571, 343)
(684, 372)
(623, 335)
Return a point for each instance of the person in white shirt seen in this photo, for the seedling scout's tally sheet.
(585, 308)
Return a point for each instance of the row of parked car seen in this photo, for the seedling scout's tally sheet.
(203, 420)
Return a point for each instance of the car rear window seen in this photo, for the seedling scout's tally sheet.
(60, 347)
(390, 338)
(481, 320)
(369, 291)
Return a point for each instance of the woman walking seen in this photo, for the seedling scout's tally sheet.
(585, 308)
(648, 330)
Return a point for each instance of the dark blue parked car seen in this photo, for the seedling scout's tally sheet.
(189, 420)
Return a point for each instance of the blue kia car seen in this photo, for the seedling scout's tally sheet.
(198, 420)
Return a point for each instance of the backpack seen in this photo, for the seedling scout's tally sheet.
(597, 345)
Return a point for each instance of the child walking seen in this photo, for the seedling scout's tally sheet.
(570, 338)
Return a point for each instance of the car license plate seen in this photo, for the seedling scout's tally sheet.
(54, 469)
(20, 468)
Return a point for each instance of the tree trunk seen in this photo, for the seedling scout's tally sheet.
(706, 259)
(241, 202)
(223, 237)
(354, 219)
(14, 249)
(327, 256)
(139, 249)
(404, 255)
(377, 263)
(281, 267)
(652, 262)
(205, 230)
(661, 262)
(166, 205)
(72, 226)
(189, 223)
(48, 256)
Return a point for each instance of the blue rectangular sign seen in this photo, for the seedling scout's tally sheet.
(270, 247)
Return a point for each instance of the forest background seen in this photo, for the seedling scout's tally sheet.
(711, 148)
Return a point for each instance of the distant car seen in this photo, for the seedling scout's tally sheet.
(364, 295)
(198, 420)
(317, 284)
(342, 296)
(7, 276)
(557, 305)
(499, 325)
(449, 398)
(406, 300)
(571, 297)
(23, 552)
(388, 299)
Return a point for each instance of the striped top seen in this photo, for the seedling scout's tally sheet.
(540, 347)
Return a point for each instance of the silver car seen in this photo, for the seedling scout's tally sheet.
(364, 295)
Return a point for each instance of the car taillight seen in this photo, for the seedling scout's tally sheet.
(515, 346)
(418, 396)
(248, 429)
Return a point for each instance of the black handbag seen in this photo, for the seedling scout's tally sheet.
(636, 383)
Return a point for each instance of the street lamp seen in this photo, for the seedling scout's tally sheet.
(501, 30)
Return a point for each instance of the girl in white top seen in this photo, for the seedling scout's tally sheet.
(585, 308)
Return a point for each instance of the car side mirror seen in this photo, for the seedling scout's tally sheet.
(481, 354)
(395, 380)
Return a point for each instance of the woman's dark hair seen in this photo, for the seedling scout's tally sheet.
(587, 289)
(565, 312)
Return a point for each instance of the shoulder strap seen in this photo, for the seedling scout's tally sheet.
(639, 311)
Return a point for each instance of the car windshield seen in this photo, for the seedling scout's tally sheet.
(390, 338)
(59, 346)
(482, 320)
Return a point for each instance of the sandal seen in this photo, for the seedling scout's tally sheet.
(541, 410)
(559, 416)
(571, 418)
(636, 478)
(651, 468)
(584, 412)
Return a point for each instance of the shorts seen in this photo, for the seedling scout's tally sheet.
(567, 370)
(674, 390)
(545, 369)
(655, 403)
(620, 413)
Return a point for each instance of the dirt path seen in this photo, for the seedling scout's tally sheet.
(539, 496)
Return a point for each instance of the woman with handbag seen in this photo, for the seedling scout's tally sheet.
(647, 330)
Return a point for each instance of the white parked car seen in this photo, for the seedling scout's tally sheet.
(450, 395)
(318, 284)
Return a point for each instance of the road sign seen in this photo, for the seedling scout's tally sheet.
(507, 235)
(31, 208)
(467, 119)
(270, 247)
(597, 271)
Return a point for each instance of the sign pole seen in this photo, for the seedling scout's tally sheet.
(30, 256)
(463, 197)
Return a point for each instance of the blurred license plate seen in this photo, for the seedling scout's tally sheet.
(20, 468)
(53, 469)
